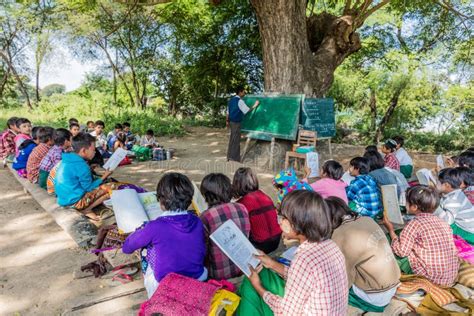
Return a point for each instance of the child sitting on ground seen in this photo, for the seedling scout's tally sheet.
(467, 185)
(74, 184)
(390, 159)
(330, 183)
(46, 141)
(100, 139)
(316, 281)
(90, 126)
(25, 150)
(425, 246)
(62, 143)
(371, 267)
(217, 191)
(7, 141)
(378, 172)
(24, 128)
(149, 140)
(406, 163)
(112, 136)
(131, 138)
(174, 242)
(74, 129)
(265, 233)
(455, 208)
(120, 141)
(286, 181)
(363, 193)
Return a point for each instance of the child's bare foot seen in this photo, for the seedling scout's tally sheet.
(93, 216)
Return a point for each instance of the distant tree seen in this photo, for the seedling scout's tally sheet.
(54, 88)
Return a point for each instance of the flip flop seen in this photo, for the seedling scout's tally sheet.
(120, 270)
(119, 279)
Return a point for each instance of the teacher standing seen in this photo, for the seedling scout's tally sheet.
(235, 114)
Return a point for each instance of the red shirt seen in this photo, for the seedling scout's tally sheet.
(263, 216)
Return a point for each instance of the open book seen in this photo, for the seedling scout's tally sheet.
(113, 162)
(198, 202)
(425, 177)
(312, 162)
(230, 239)
(390, 204)
(132, 209)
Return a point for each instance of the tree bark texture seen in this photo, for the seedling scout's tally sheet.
(300, 53)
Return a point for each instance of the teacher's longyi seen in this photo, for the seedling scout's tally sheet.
(235, 114)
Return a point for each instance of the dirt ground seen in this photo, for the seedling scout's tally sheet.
(38, 258)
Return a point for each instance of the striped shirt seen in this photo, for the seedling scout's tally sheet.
(316, 282)
(428, 243)
(456, 208)
(34, 160)
(219, 265)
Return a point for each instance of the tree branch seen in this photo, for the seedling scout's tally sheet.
(449, 7)
(374, 8)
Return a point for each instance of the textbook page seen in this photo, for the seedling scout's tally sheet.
(198, 202)
(312, 161)
(230, 239)
(150, 204)
(347, 178)
(128, 210)
(390, 204)
(115, 159)
(440, 161)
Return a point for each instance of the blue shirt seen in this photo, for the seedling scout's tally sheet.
(363, 191)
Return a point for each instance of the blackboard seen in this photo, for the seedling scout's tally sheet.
(318, 115)
(277, 116)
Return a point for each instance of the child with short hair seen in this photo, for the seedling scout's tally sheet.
(90, 126)
(7, 141)
(174, 242)
(425, 246)
(45, 138)
(217, 191)
(390, 159)
(371, 267)
(467, 185)
(62, 143)
(286, 181)
(74, 184)
(24, 128)
(24, 152)
(131, 138)
(112, 135)
(100, 138)
(265, 233)
(149, 139)
(406, 163)
(330, 183)
(363, 193)
(378, 172)
(74, 129)
(316, 281)
(454, 207)
(466, 159)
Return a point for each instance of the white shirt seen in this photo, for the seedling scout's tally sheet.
(403, 157)
(242, 106)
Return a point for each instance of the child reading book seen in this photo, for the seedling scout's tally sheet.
(74, 185)
(390, 159)
(101, 139)
(316, 281)
(112, 136)
(149, 140)
(217, 191)
(25, 130)
(174, 242)
(378, 172)
(265, 233)
(62, 143)
(45, 139)
(455, 208)
(120, 140)
(363, 193)
(371, 267)
(406, 163)
(425, 246)
(7, 141)
(331, 183)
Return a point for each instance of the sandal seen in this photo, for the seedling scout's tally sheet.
(122, 269)
(119, 279)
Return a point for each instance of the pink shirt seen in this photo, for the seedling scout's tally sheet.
(19, 139)
(329, 187)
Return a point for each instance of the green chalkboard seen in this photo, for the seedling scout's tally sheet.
(276, 116)
(318, 115)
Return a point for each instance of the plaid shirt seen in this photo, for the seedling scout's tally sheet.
(51, 158)
(7, 146)
(364, 192)
(316, 282)
(428, 243)
(219, 265)
(32, 166)
(392, 162)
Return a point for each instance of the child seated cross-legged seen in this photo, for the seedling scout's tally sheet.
(217, 191)
(265, 233)
(454, 207)
(425, 246)
(174, 242)
(316, 281)
(372, 270)
(74, 184)
(363, 193)
(149, 139)
(62, 143)
(331, 183)
(45, 138)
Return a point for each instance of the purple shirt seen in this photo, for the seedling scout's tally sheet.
(174, 243)
(51, 159)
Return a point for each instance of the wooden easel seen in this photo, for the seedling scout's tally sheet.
(272, 149)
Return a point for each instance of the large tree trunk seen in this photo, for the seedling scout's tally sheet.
(388, 114)
(300, 54)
